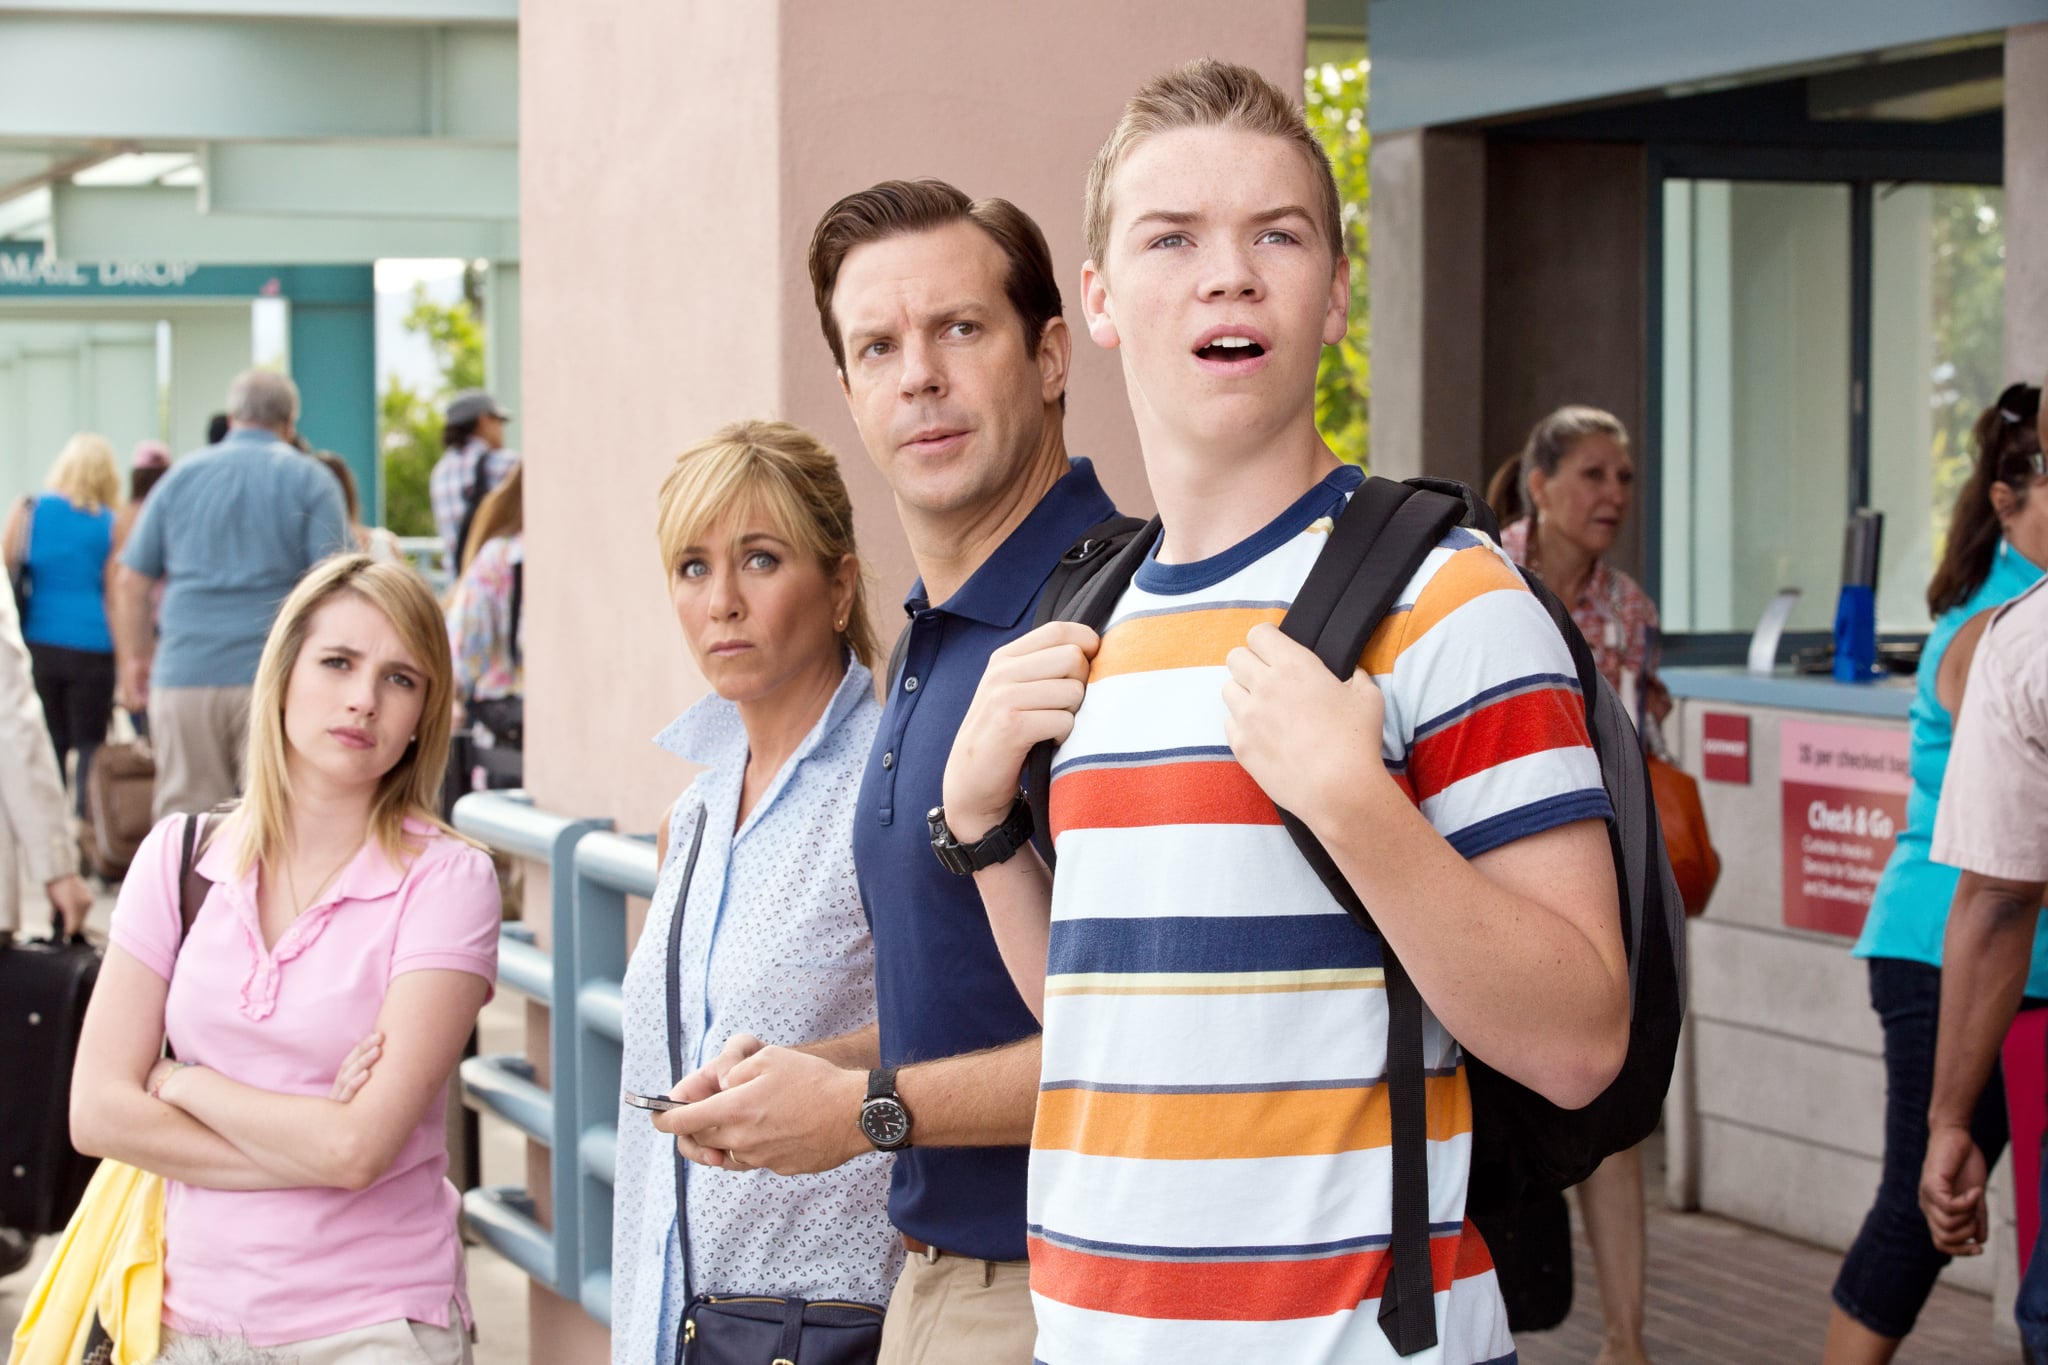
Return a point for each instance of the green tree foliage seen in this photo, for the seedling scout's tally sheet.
(1969, 324)
(409, 421)
(1335, 106)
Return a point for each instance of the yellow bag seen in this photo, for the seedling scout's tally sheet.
(106, 1279)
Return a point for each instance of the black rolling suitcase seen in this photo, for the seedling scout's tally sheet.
(44, 987)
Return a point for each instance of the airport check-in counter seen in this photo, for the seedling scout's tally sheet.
(1776, 1114)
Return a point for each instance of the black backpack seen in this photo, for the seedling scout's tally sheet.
(1523, 1146)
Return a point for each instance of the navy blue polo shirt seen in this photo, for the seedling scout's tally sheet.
(940, 985)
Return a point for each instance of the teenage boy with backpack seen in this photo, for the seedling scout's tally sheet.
(1210, 1173)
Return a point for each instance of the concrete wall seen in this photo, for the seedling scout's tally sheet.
(673, 159)
(1565, 314)
(1787, 1069)
(2026, 202)
(1428, 304)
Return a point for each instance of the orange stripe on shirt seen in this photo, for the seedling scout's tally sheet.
(1466, 574)
(1513, 727)
(1235, 1126)
(1238, 1291)
(1203, 792)
(1181, 639)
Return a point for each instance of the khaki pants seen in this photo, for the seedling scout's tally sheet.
(198, 734)
(398, 1342)
(955, 1310)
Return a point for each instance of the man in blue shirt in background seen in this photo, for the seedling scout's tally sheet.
(232, 528)
(943, 318)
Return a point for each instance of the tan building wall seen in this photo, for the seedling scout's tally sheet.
(674, 155)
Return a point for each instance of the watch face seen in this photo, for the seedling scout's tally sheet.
(886, 1123)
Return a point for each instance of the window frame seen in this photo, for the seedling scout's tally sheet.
(1863, 171)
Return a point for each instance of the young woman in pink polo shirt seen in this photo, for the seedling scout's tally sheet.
(317, 1005)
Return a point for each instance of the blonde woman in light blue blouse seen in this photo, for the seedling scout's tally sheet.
(756, 535)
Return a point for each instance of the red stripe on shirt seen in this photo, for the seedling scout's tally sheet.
(1513, 727)
(1204, 792)
(1238, 1291)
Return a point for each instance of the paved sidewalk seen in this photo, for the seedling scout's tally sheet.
(1723, 1292)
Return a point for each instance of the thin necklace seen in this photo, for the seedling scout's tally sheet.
(292, 889)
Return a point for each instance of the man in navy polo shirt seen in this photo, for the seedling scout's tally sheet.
(943, 317)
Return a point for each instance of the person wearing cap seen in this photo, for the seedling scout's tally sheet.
(473, 462)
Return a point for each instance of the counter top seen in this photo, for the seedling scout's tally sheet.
(1789, 691)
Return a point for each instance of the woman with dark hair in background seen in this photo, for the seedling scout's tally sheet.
(1996, 548)
(1561, 501)
(146, 468)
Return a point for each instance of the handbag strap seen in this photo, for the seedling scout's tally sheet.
(792, 1331)
(674, 972)
(192, 884)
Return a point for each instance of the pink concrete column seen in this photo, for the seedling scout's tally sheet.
(1428, 303)
(674, 155)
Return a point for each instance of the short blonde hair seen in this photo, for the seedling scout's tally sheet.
(85, 473)
(792, 478)
(412, 789)
(1207, 94)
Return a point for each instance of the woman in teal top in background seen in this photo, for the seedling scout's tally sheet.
(1997, 547)
(66, 538)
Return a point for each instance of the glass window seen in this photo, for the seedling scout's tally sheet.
(1755, 440)
(1937, 360)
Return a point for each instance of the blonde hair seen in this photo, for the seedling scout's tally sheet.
(790, 476)
(1207, 94)
(85, 473)
(501, 513)
(412, 789)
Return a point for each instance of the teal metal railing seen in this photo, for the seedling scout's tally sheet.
(591, 872)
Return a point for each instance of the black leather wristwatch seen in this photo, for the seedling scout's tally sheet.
(996, 846)
(883, 1119)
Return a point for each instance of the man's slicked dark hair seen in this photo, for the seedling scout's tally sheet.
(898, 207)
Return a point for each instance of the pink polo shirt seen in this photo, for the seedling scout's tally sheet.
(279, 1266)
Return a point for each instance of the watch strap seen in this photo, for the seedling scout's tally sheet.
(882, 1083)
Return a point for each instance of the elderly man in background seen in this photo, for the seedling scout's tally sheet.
(231, 529)
(1993, 824)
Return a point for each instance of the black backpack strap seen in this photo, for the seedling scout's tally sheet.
(1084, 587)
(675, 1039)
(1375, 547)
(1080, 563)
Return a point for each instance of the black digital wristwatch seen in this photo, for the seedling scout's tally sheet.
(998, 845)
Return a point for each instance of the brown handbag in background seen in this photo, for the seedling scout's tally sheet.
(1693, 860)
(119, 789)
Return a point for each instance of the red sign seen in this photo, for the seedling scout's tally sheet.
(1843, 803)
(1724, 747)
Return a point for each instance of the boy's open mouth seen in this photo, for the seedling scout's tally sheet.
(1231, 348)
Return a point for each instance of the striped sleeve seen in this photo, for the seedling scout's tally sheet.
(1486, 726)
